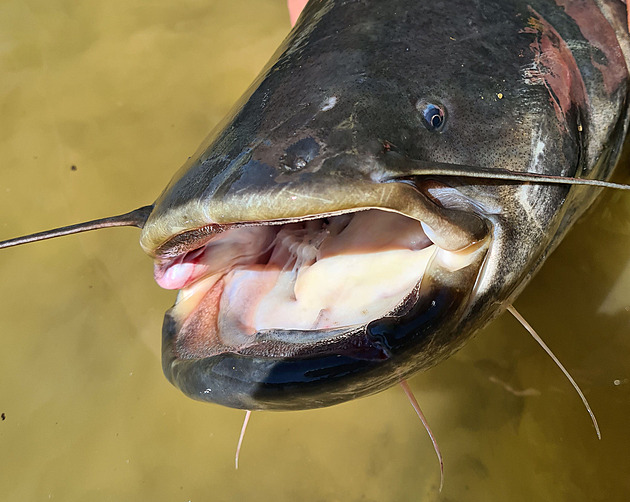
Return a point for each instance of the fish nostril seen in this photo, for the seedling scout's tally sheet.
(299, 154)
(292, 163)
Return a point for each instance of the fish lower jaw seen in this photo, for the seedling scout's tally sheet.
(326, 276)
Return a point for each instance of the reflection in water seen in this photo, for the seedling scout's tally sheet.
(124, 92)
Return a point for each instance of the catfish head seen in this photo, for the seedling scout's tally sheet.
(385, 188)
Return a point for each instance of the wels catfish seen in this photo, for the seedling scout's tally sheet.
(387, 186)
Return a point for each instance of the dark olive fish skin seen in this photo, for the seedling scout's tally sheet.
(339, 112)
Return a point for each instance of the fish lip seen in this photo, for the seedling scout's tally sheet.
(399, 194)
(340, 365)
(172, 229)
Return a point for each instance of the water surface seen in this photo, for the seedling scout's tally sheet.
(101, 102)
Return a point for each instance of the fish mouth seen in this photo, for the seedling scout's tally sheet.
(309, 311)
(256, 283)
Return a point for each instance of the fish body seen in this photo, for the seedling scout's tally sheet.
(351, 129)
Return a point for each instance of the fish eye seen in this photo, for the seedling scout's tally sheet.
(433, 116)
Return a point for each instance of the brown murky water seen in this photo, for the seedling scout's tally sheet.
(124, 91)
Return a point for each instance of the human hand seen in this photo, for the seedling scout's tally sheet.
(295, 7)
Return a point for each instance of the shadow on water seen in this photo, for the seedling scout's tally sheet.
(124, 92)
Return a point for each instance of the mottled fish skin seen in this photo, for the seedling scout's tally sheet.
(537, 86)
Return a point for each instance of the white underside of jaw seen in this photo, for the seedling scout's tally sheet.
(322, 274)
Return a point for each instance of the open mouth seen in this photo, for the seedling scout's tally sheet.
(310, 296)
(298, 282)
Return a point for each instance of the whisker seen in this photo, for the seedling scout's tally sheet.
(536, 337)
(248, 414)
(414, 167)
(136, 218)
(416, 407)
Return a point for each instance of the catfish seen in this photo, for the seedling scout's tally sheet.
(387, 186)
